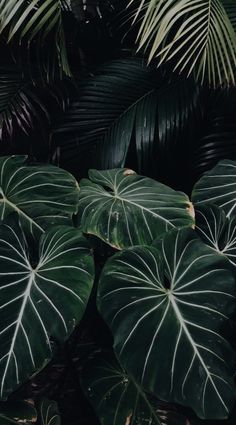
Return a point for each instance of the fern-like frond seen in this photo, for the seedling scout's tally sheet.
(196, 35)
(29, 20)
(19, 105)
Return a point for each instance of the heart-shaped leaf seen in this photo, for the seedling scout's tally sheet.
(166, 306)
(118, 399)
(42, 298)
(17, 412)
(41, 195)
(217, 230)
(125, 209)
(218, 186)
(48, 413)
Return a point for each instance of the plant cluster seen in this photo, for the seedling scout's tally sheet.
(167, 291)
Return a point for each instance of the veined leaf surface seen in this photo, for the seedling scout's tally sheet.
(48, 412)
(41, 299)
(41, 195)
(118, 399)
(218, 186)
(166, 306)
(125, 209)
(217, 230)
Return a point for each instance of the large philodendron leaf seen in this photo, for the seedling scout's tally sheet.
(42, 298)
(218, 186)
(118, 400)
(125, 209)
(217, 230)
(42, 195)
(166, 306)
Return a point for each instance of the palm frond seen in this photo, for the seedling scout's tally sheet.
(37, 19)
(196, 35)
(217, 140)
(19, 105)
(125, 111)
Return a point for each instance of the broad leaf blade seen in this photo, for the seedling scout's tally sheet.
(41, 195)
(217, 230)
(174, 298)
(42, 298)
(218, 186)
(118, 400)
(125, 209)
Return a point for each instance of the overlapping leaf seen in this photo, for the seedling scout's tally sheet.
(166, 306)
(197, 35)
(218, 186)
(27, 20)
(125, 104)
(115, 397)
(19, 106)
(43, 297)
(217, 230)
(41, 195)
(125, 209)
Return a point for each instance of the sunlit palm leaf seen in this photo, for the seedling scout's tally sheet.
(28, 20)
(197, 34)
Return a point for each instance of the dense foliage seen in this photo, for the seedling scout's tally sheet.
(116, 287)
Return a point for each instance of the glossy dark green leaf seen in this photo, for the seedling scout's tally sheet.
(218, 186)
(48, 413)
(41, 195)
(217, 230)
(115, 397)
(17, 412)
(43, 297)
(118, 400)
(166, 306)
(125, 209)
(125, 105)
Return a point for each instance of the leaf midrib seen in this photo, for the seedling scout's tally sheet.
(192, 343)
(4, 200)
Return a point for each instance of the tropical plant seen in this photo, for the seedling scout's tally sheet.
(167, 292)
(197, 36)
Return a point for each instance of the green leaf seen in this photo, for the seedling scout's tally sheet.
(48, 413)
(125, 209)
(41, 195)
(197, 35)
(118, 399)
(166, 306)
(25, 20)
(217, 230)
(218, 186)
(44, 292)
(125, 105)
(17, 412)
(20, 107)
